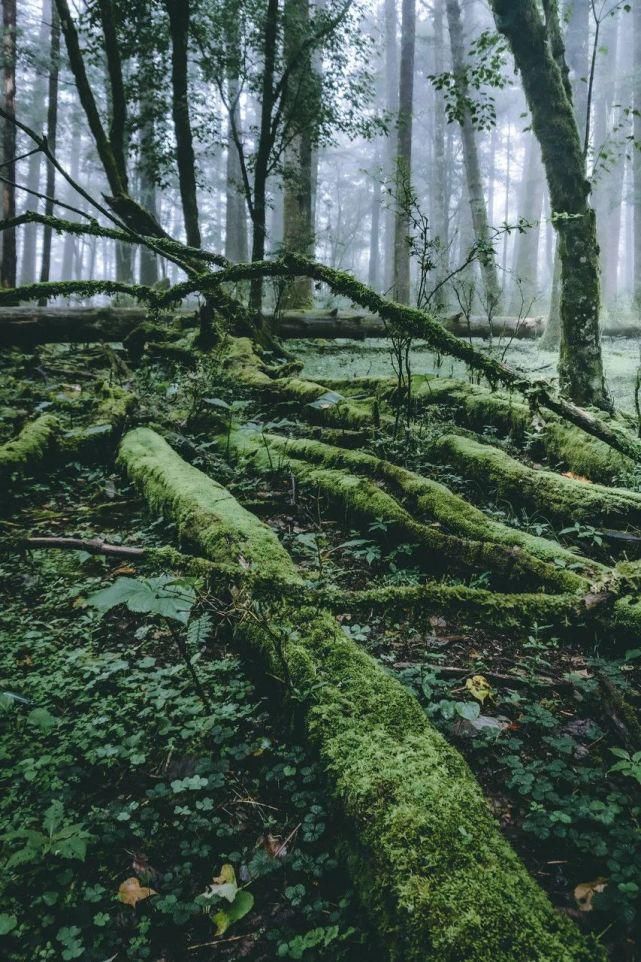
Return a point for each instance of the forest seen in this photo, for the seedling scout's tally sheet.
(320, 480)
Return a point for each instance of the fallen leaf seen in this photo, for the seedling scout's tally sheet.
(131, 892)
(585, 892)
(575, 477)
(478, 687)
(274, 846)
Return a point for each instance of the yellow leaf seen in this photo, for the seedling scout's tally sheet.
(478, 687)
(131, 892)
(585, 892)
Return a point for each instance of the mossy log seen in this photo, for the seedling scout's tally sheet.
(360, 501)
(46, 440)
(432, 868)
(28, 450)
(27, 327)
(429, 501)
(477, 407)
(562, 500)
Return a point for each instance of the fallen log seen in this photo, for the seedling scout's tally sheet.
(521, 328)
(409, 801)
(26, 327)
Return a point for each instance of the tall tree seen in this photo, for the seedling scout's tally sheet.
(52, 133)
(179, 20)
(39, 100)
(298, 228)
(8, 263)
(391, 105)
(636, 159)
(550, 101)
(473, 178)
(526, 243)
(401, 291)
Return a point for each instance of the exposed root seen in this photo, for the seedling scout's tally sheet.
(433, 870)
(561, 499)
(362, 501)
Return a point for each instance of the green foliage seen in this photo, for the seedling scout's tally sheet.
(163, 596)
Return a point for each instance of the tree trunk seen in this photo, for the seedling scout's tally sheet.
(373, 270)
(440, 181)
(8, 263)
(235, 208)
(259, 217)
(298, 228)
(52, 131)
(391, 105)
(554, 122)
(526, 244)
(28, 272)
(404, 155)
(471, 162)
(179, 16)
(147, 192)
(636, 155)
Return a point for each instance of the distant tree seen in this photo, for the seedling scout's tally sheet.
(52, 132)
(8, 263)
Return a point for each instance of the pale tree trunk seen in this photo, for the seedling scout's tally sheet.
(440, 180)
(404, 154)
(28, 272)
(236, 248)
(608, 182)
(373, 271)
(555, 125)
(148, 270)
(69, 245)
(52, 133)
(391, 105)
(298, 228)
(636, 156)
(471, 161)
(8, 263)
(526, 244)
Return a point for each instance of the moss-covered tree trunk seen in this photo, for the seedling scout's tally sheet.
(580, 362)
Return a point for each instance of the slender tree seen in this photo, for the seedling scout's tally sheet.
(391, 105)
(404, 154)
(52, 133)
(636, 159)
(471, 162)
(179, 20)
(8, 263)
(554, 122)
(298, 228)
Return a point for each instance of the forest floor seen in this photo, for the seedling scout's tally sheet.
(110, 756)
(370, 358)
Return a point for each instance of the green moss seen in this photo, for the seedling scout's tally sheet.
(204, 512)
(560, 499)
(30, 447)
(438, 878)
(360, 501)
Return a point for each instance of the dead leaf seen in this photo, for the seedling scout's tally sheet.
(585, 892)
(131, 892)
(274, 846)
(575, 477)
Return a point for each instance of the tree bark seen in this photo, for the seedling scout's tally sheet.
(235, 208)
(8, 263)
(298, 228)
(52, 131)
(580, 363)
(526, 244)
(403, 178)
(636, 155)
(391, 104)
(28, 266)
(179, 17)
(475, 191)
(259, 214)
